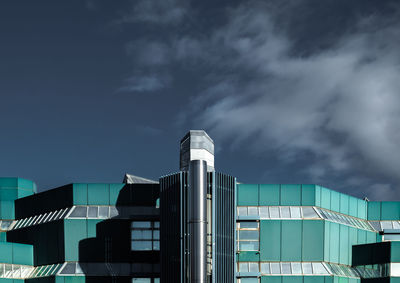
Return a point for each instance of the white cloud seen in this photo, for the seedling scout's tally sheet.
(341, 104)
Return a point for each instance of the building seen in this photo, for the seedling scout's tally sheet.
(195, 225)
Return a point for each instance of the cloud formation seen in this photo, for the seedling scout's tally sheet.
(339, 105)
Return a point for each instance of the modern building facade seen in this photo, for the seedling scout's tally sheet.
(195, 225)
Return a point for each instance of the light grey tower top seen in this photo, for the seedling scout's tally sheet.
(196, 145)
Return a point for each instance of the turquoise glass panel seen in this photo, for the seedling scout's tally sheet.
(270, 240)
(8, 194)
(308, 195)
(291, 240)
(313, 240)
(247, 194)
(327, 240)
(269, 194)
(352, 241)
(8, 182)
(290, 194)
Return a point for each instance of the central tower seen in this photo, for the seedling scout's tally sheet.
(197, 217)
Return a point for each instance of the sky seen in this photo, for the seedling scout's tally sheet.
(304, 91)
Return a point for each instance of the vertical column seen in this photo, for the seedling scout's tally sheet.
(198, 221)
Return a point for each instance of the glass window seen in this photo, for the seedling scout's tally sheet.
(248, 246)
(386, 225)
(103, 211)
(285, 212)
(275, 268)
(248, 235)
(307, 269)
(79, 211)
(156, 234)
(264, 212)
(141, 224)
(253, 267)
(156, 280)
(286, 268)
(142, 234)
(309, 212)
(274, 212)
(296, 268)
(295, 212)
(248, 225)
(265, 268)
(156, 245)
(396, 225)
(249, 280)
(253, 211)
(156, 224)
(142, 245)
(318, 268)
(242, 210)
(92, 211)
(243, 267)
(141, 280)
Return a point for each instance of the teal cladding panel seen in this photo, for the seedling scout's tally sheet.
(344, 245)
(22, 254)
(308, 195)
(291, 240)
(114, 192)
(290, 195)
(395, 252)
(374, 210)
(292, 279)
(334, 242)
(247, 194)
(344, 204)
(80, 194)
(314, 279)
(270, 240)
(7, 210)
(271, 279)
(98, 194)
(318, 196)
(390, 210)
(335, 201)
(91, 227)
(362, 209)
(313, 240)
(269, 194)
(325, 198)
(14, 253)
(75, 230)
(249, 256)
(353, 206)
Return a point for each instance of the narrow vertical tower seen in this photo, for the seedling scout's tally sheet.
(198, 221)
(197, 227)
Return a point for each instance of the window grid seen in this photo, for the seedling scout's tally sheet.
(248, 236)
(145, 235)
(278, 212)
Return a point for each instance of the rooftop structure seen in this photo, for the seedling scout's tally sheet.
(196, 225)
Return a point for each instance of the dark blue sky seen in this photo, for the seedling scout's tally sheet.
(304, 92)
